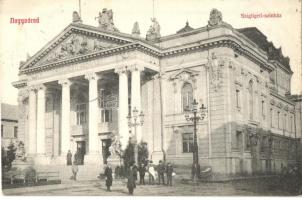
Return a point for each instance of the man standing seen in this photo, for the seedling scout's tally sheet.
(161, 172)
(142, 171)
(131, 182)
(75, 170)
(169, 172)
(69, 158)
(151, 172)
(108, 177)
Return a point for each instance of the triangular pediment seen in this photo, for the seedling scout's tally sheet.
(75, 42)
(184, 74)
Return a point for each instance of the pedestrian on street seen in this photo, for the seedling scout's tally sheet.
(108, 177)
(131, 182)
(169, 172)
(195, 172)
(69, 158)
(75, 170)
(142, 171)
(151, 173)
(161, 172)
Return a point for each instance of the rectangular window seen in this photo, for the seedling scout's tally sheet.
(291, 124)
(271, 115)
(238, 98)
(81, 114)
(187, 142)
(15, 132)
(1, 131)
(278, 119)
(238, 144)
(106, 115)
(263, 109)
(284, 122)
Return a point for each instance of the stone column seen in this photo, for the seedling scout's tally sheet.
(40, 159)
(136, 96)
(93, 153)
(123, 106)
(32, 120)
(65, 117)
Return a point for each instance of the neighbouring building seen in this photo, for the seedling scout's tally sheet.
(77, 91)
(9, 124)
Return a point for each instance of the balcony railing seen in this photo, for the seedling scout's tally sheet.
(105, 127)
(77, 130)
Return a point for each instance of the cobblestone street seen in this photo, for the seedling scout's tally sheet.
(94, 188)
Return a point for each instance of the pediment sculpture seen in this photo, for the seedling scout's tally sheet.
(76, 45)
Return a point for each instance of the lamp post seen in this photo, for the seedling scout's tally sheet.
(137, 119)
(195, 118)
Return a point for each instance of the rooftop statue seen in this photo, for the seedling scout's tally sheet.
(76, 17)
(154, 31)
(135, 30)
(215, 18)
(106, 20)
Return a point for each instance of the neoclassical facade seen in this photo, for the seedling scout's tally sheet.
(77, 91)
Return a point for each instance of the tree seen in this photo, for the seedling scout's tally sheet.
(128, 155)
(143, 153)
(11, 154)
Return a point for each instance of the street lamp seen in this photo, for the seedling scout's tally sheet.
(137, 119)
(195, 118)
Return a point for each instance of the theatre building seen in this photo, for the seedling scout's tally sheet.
(77, 91)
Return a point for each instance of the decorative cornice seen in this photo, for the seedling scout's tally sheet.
(226, 41)
(20, 84)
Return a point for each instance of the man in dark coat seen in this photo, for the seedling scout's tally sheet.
(131, 182)
(142, 171)
(169, 172)
(161, 172)
(195, 171)
(108, 176)
(69, 158)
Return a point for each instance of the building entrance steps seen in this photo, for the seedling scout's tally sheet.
(85, 172)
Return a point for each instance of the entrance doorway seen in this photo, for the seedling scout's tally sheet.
(81, 151)
(106, 143)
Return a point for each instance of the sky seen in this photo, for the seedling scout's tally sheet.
(16, 41)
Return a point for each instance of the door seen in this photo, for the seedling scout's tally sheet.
(106, 143)
(81, 151)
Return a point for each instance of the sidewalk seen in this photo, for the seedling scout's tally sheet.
(62, 186)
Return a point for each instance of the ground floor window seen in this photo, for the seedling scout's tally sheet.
(187, 142)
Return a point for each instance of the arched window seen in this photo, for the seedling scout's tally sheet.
(251, 99)
(187, 96)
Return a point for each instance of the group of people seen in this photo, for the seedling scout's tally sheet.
(154, 172)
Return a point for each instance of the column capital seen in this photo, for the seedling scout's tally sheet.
(41, 87)
(92, 76)
(135, 67)
(120, 70)
(65, 82)
(31, 88)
